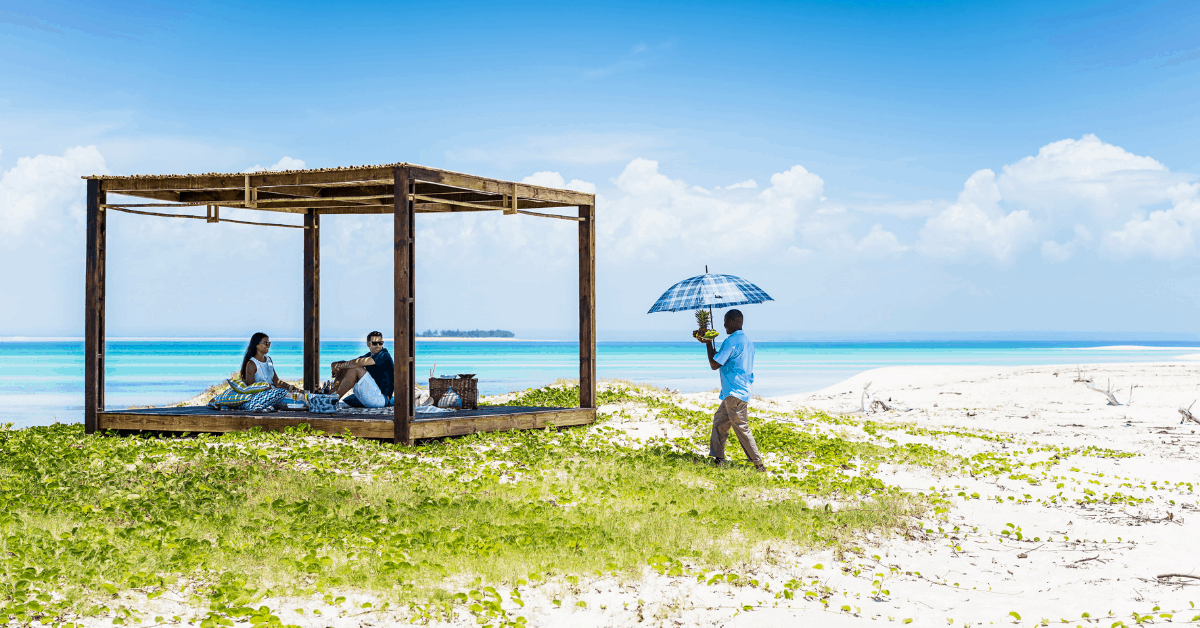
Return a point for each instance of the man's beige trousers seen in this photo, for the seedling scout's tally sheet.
(733, 413)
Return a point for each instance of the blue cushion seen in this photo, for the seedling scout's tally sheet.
(228, 399)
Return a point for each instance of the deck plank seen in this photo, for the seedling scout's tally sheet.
(203, 419)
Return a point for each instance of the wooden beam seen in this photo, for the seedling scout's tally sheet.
(312, 300)
(449, 201)
(512, 199)
(230, 422)
(444, 208)
(360, 209)
(420, 208)
(324, 191)
(497, 204)
(299, 198)
(158, 195)
(197, 420)
(411, 381)
(365, 175)
(238, 181)
(587, 306)
(493, 186)
(540, 419)
(93, 322)
(402, 308)
(206, 218)
(279, 194)
(529, 213)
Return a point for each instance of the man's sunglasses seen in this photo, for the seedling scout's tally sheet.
(376, 344)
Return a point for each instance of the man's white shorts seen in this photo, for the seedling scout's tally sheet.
(368, 393)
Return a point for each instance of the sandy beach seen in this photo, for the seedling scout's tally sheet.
(1074, 557)
(1097, 504)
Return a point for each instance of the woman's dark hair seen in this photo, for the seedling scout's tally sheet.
(250, 351)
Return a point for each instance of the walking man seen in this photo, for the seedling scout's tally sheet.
(735, 361)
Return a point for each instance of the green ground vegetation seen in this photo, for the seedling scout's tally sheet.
(86, 522)
(237, 516)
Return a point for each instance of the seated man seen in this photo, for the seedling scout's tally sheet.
(368, 377)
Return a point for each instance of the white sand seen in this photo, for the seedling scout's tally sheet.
(974, 576)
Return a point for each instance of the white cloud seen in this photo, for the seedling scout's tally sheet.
(1061, 252)
(1056, 252)
(42, 215)
(976, 224)
(901, 209)
(1068, 190)
(879, 243)
(1085, 174)
(793, 186)
(287, 163)
(657, 217)
(555, 180)
(1164, 234)
(748, 184)
(47, 191)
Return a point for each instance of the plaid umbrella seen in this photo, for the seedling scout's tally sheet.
(709, 290)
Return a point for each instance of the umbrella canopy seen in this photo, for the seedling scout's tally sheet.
(709, 290)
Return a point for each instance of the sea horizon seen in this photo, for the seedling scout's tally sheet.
(41, 381)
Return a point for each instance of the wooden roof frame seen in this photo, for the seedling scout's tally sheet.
(400, 189)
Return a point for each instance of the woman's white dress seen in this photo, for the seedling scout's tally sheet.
(264, 371)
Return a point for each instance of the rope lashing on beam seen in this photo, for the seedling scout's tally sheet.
(209, 218)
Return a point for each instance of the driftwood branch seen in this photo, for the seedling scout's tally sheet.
(1177, 575)
(1112, 399)
(1079, 375)
(1187, 414)
(868, 404)
(866, 394)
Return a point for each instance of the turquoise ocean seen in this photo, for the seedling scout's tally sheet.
(41, 382)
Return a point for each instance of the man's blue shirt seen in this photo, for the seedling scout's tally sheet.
(736, 358)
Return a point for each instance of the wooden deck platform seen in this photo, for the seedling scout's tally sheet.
(363, 424)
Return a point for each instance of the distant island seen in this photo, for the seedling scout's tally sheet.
(474, 333)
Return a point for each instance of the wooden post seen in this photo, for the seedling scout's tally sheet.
(403, 308)
(587, 306)
(312, 299)
(93, 321)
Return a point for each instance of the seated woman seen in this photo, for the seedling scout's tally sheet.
(257, 366)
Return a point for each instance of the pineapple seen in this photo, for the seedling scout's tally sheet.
(702, 319)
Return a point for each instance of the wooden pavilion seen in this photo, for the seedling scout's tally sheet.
(402, 190)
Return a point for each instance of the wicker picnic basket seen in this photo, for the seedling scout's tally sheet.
(466, 387)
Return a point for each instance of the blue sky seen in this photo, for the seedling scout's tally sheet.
(1021, 167)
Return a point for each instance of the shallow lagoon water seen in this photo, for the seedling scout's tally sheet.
(42, 381)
